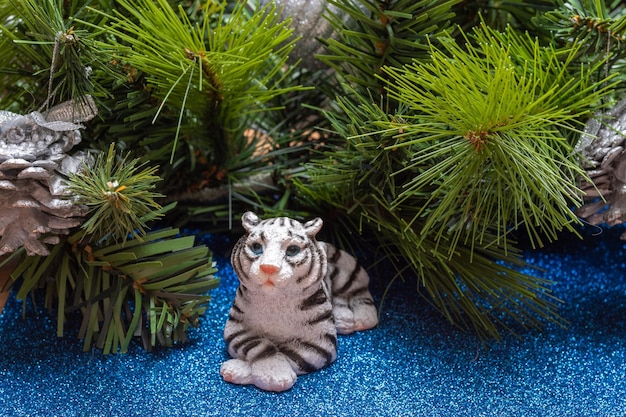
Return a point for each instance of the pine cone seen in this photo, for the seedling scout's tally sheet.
(35, 205)
(602, 147)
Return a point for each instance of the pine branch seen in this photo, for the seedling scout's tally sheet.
(380, 33)
(520, 14)
(258, 178)
(495, 121)
(195, 119)
(486, 290)
(480, 144)
(44, 50)
(481, 288)
(214, 74)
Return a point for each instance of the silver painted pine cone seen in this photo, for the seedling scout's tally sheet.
(308, 23)
(35, 205)
(602, 147)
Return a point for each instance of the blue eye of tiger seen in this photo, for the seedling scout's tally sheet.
(292, 250)
(256, 248)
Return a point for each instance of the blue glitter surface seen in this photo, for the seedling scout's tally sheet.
(414, 364)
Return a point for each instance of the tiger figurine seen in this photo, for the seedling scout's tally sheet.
(295, 295)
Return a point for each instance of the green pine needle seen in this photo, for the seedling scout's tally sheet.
(119, 196)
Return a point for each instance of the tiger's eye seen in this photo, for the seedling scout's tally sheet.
(256, 248)
(292, 250)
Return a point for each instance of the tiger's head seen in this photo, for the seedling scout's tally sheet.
(279, 253)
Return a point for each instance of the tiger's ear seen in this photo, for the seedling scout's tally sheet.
(313, 226)
(249, 220)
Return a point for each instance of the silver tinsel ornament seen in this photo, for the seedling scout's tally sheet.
(602, 147)
(35, 205)
(309, 23)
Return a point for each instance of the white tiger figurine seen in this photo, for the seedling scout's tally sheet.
(295, 295)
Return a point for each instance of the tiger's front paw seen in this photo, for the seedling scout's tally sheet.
(273, 374)
(236, 371)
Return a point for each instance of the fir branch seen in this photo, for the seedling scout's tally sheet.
(154, 288)
(169, 278)
(598, 25)
(520, 14)
(582, 19)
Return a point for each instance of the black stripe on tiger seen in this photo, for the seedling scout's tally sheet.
(245, 341)
(300, 238)
(356, 293)
(242, 292)
(264, 238)
(327, 355)
(300, 262)
(346, 285)
(325, 316)
(232, 336)
(332, 338)
(300, 362)
(315, 258)
(234, 319)
(319, 297)
(235, 313)
(362, 301)
(236, 308)
(246, 255)
(266, 352)
(238, 253)
(308, 272)
(335, 256)
(249, 346)
(333, 275)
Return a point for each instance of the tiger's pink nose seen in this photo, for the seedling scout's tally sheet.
(269, 269)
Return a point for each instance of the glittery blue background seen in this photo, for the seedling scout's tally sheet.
(414, 364)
